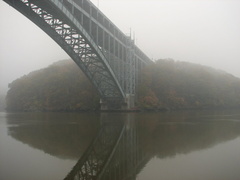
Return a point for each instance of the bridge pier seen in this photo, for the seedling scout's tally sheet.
(130, 101)
(116, 104)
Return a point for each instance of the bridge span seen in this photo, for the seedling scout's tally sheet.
(108, 57)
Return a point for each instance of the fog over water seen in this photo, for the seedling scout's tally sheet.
(200, 31)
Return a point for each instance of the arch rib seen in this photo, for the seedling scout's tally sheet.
(53, 18)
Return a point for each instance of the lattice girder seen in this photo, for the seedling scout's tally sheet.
(69, 34)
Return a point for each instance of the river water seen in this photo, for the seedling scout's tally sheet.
(183, 145)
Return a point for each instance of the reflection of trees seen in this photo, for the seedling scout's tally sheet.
(96, 158)
(114, 154)
(182, 133)
(59, 134)
(146, 135)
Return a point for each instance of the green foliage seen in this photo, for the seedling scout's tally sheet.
(59, 87)
(168, 84)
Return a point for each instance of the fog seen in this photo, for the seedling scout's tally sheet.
(200, 31)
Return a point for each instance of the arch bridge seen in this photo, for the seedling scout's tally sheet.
(109, 58)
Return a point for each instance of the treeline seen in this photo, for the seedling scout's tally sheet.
(166, 84)
(2, 102)
(60, 87)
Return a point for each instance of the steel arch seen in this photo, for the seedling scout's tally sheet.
(55, 19)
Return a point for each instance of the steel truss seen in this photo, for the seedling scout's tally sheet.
(53, 18)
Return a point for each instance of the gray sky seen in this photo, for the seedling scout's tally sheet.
(200, 31)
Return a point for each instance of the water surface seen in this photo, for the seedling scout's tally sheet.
(182, 145)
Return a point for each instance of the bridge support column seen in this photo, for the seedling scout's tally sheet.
(130, 101)
(112, 105)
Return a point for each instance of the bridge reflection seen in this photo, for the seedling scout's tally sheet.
(118, 145)
(123, 146)
(115, 153)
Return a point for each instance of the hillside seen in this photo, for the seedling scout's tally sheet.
(2, 102)
(59, 87)
(166, 84)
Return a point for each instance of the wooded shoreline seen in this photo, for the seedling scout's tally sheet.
(166, 85)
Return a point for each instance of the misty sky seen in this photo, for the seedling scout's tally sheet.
(200, 31)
